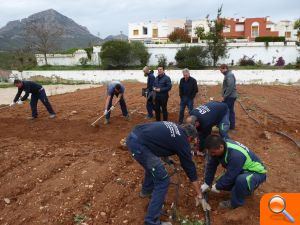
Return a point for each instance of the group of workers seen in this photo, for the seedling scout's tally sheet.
(151, 142)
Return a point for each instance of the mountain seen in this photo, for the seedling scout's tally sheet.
(116, 37)
(74, 35)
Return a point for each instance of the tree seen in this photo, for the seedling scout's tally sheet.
(42, 37)
(179, 36)
(162, 61)
(200, 32)
(215, 40)
(297, 27)
(24, 59)
(115, 54)
(194, 57)
(139, 53)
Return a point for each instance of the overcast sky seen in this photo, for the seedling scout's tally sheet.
(106, 17)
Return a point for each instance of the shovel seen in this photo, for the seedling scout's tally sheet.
(99, 118)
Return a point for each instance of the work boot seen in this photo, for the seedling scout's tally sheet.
(166, 223)
(106, 121)
(225, 205)
(148, 117)
(127, 118)
(52, 116)
(145, 194)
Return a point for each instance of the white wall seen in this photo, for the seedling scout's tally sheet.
(236, 51)
(202, 76)
(62, 59)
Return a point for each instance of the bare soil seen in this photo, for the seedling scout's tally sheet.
(64, 171)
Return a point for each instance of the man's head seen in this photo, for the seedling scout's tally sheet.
(117, 88)
(216, 145)
(160, 70)
(223, 68)
(146, 70)
(190, 131)
(186, 73)
(193, 120)
(18, 83)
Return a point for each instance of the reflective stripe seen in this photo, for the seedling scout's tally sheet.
(249, 165)
(248, 178)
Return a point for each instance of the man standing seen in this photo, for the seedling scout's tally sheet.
(187, 91)
(147, 143)
(208, 115)
(150, 81)
(244, 170)
(229, 92)
(162, 86)
(37, 93)
(115, 88)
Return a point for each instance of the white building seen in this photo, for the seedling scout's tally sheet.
(199, 23)
(152, 32)
(286, 29)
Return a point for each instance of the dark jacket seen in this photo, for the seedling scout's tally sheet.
(150, 81)
(164, 83)
(166, 139)
(235, 162)
(29, 87)
(188, 88)
(229, 86)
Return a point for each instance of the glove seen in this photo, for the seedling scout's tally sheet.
(203, 202)
(105, 112)
(112, 108)
(214, 189)
(204, 187)
(12, 104)
(20, 102)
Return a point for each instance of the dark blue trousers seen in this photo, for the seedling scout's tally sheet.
(43, 97)
(185, 102)
(122, 104)
(150, 106)
(156, 178)
(244, 185)
(230, 103)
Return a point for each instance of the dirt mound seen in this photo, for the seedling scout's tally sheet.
(64, 171)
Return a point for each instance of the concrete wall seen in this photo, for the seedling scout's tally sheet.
(236, 51)
(202, 76)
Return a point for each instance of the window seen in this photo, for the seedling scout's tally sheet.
(268, 29)
(255, 29)
(135, 32)
(155, 33)
(288, 34)
(145, 30)
(226, 29)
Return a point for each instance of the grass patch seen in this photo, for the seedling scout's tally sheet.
(56, 80)
(6, 85)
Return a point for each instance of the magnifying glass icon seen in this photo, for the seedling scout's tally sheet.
(277, 205)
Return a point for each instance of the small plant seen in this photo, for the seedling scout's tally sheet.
(298, 63)
(246, 61)
(83, 61)
(280, 62)
(79, 218)
(162, 61)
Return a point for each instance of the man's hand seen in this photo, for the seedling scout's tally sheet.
(204, 187)
(156, 89)
(12, 104)
(214, 189)
(203, 202)
(112, 108)
(20, 102)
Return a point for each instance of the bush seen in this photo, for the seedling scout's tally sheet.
(179, 36)
(298, 63)
(139, 53)
(195, 57)
(162, 61)
(115, 54)
(246, 61)
(83, 61)
(270, 39)
(280, 62)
